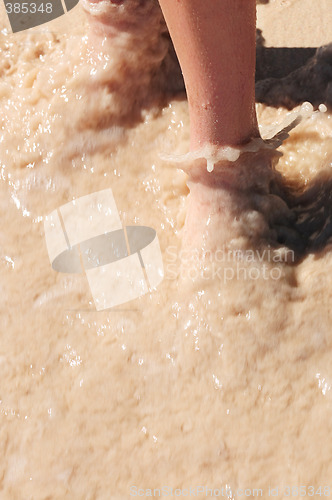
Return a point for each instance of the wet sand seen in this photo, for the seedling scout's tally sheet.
(222, 376)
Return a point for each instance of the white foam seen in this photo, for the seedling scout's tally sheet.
(272, 137)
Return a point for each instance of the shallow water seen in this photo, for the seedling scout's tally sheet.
(221, 376)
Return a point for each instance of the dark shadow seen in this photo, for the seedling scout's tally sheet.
(289, 76)
(309, 229)
(275, 62)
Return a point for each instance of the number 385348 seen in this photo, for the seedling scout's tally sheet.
(28, 8)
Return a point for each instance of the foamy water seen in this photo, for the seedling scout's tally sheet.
(222, 375)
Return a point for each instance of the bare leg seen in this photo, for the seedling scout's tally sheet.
(215, 44)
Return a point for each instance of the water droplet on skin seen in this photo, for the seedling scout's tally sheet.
(210, 166)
